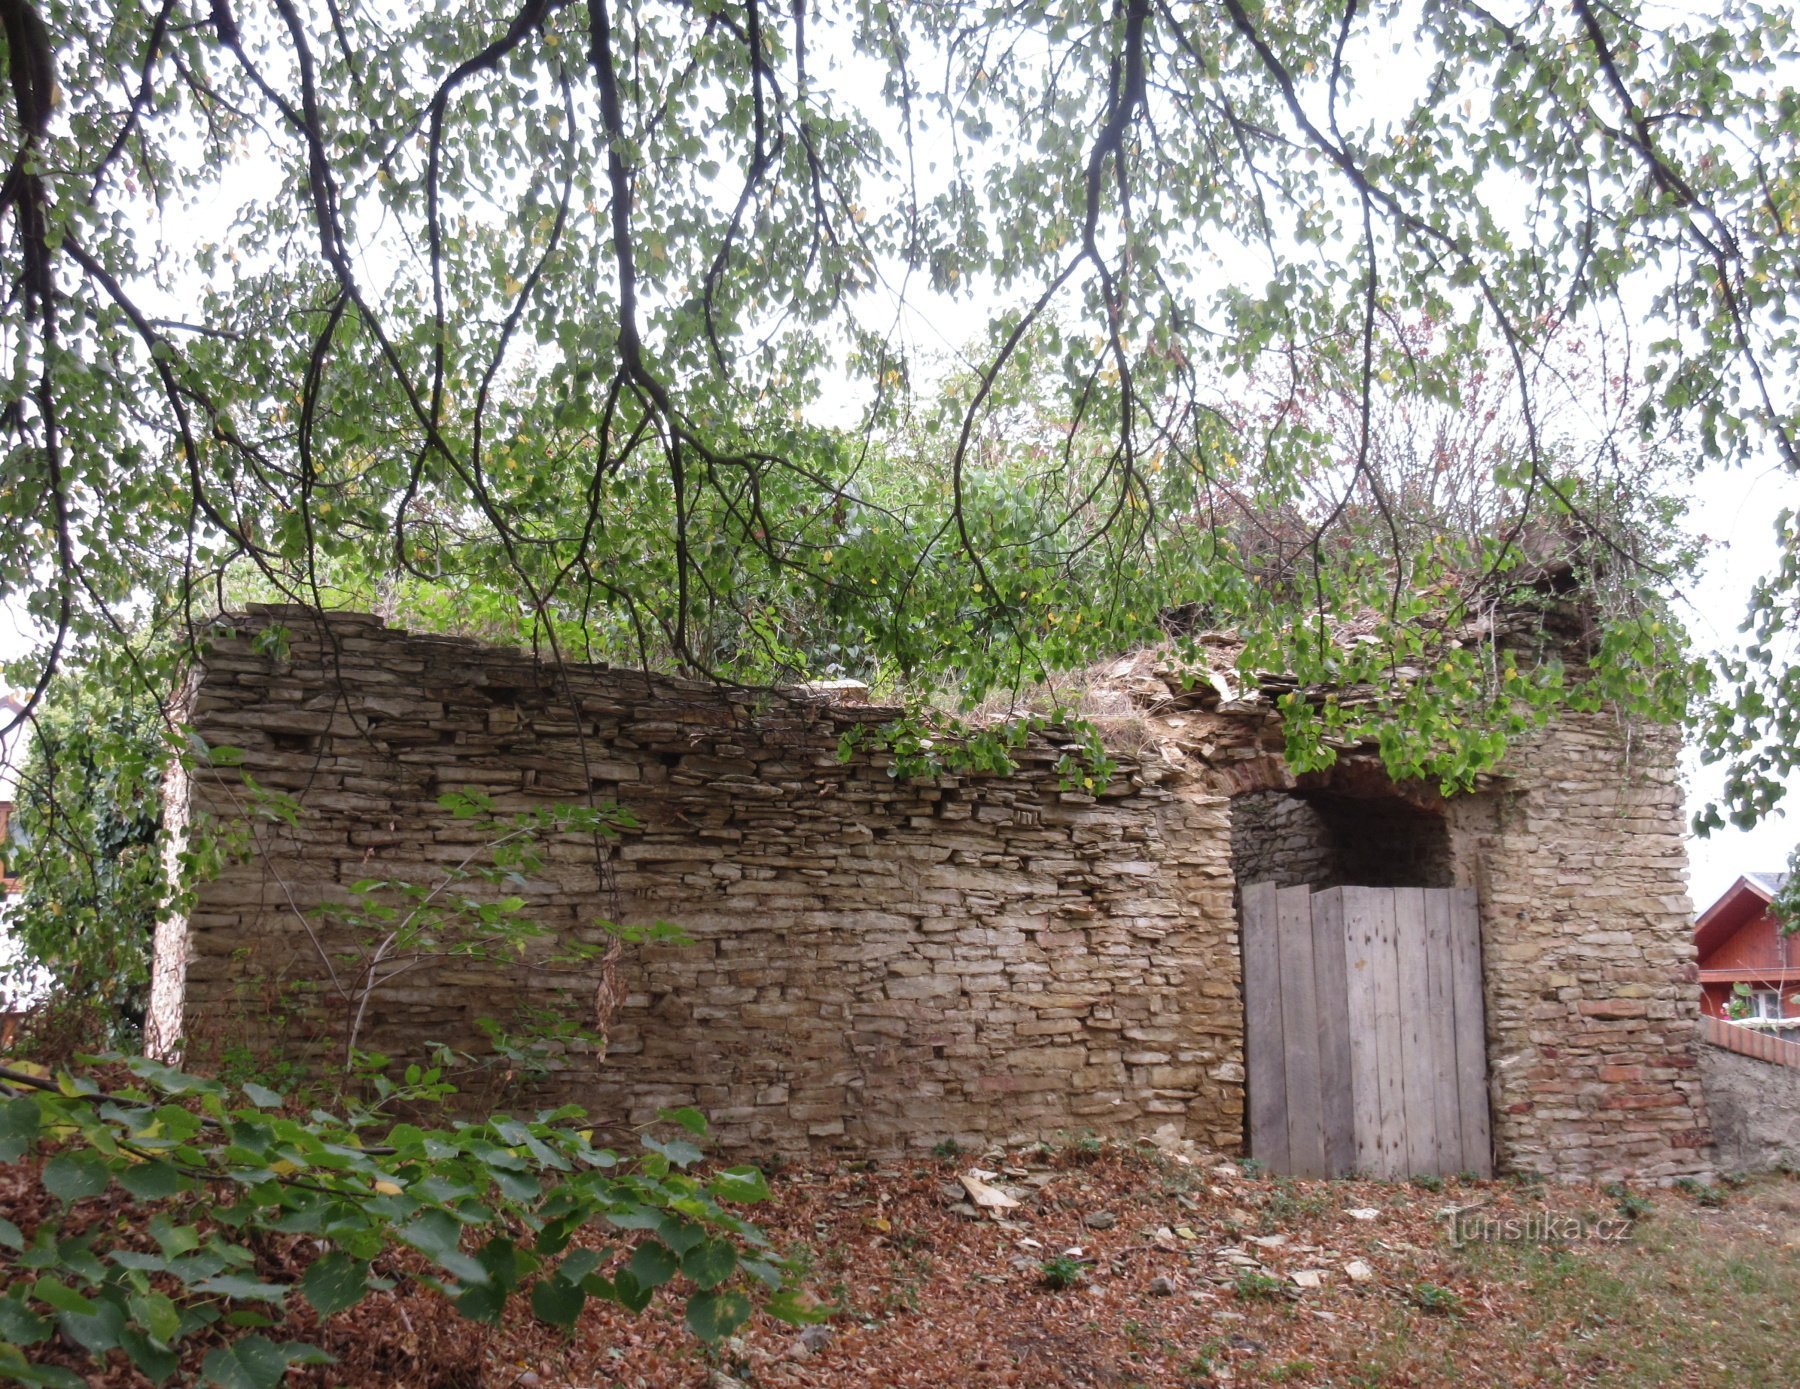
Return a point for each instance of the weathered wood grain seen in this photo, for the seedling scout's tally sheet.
(1300, 1034)
(1266, 1076)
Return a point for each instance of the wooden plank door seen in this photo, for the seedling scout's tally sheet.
(1337, 1109)
(1365, 1039)
(1377, 1047)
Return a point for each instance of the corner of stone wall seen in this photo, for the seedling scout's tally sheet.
(1197, 858)
(1587, 939)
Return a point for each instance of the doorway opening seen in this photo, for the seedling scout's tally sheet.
(1364, 1039)
(1323, 840)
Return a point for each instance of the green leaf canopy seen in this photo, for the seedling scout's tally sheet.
(950, 345)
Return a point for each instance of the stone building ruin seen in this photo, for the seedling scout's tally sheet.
(876, 962)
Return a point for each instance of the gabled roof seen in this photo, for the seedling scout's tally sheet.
(1741, 902)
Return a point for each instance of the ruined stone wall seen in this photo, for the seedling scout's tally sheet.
(873, 962)
(1587, 938)
(1575, 849)
(879, 962)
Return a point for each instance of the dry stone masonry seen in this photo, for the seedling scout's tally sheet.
(878, 962)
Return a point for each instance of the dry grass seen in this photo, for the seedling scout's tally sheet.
(1698, 1295)
(1090, 696)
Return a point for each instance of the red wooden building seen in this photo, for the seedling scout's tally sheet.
(1740, 942)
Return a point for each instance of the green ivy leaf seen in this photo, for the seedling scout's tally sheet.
(157, 1362)
(688, 1117)
(19, 1120)
(578, 1263)
(14, 1366)
(150, 1181)
(168, 1078)
(97, 1331)
(435, 1233)
(157, 1314)
(557, 1301)
(624, 1289)
(261, 1096)
(507, 1265)
(744, 1185)
(678, 1233)
(250, 1362)
(140, 1263)
(651, 1264)
(236, 1285)
(301, 1353)
(677, 1150)
(636, 1218)
(483, 1302)
(59, 1295)
(786, 1306)
(172, 1238)
(19, 1324)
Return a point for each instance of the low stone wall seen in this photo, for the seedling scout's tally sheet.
(880, 962)
(873, 962)
(1755, 1109)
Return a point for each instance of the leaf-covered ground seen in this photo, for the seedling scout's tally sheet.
(1176, 1273)
(1193, 1282)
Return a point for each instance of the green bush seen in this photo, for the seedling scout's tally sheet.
(85, 844)
(485, 1214)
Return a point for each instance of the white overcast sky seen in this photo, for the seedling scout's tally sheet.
(1736, 511)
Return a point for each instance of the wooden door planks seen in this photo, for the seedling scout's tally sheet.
(1364, 1031)
(1471, 1032)
(1265, 1070)
(1300, 1033)
(1337, 1111)
(1440, 1019)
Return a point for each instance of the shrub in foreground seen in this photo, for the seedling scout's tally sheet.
(486, 1214)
